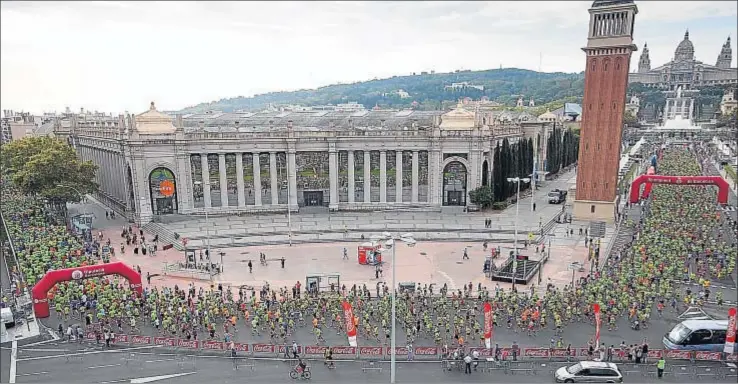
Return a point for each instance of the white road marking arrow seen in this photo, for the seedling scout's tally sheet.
(151, 379)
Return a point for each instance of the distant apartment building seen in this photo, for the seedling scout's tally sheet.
(15, 126)
(464, 84)
(401, 93)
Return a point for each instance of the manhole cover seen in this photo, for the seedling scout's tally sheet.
(423, 254)
(314, 259)
(459, 262)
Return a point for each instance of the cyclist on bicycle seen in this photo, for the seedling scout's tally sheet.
(328, 354)
(300, 367)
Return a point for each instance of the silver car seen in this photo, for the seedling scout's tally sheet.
(589, 372)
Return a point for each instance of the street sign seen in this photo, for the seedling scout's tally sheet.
(166, 188)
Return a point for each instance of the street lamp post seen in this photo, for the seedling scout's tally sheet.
(516, 180)
(207, 228)
(392, 242)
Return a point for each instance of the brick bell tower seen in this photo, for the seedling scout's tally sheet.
(609, 47)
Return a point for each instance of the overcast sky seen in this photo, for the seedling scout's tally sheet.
(117, 56)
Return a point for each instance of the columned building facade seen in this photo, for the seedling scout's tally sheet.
(152, 164)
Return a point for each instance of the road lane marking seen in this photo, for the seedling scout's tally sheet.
(105, 366)
(115, 381)
(158, 361)
(32, 374)
(43, 350)
(87, 353)
(150, 379)
(13, 361)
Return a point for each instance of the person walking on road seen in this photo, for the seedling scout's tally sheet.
(467, 364)
(660, 365)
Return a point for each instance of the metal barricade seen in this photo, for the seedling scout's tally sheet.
(492, 365)
(521, 367)
(132, 359)
(371, 365)
(242, 363)
(73, 357)
(630, 369)
(187, 361)
(553, 367)
(706, 371)
(729, 372)
(679, 370)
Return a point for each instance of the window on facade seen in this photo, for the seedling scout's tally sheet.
(617, 66)
(598, 146)
(586, 146)
(590, 107)
(594, 66)
(607, 185)
(605, 67)
(592, 209)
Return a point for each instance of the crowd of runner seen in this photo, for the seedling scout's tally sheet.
(679, 238)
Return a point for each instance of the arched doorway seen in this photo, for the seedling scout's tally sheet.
(485, 173)
(163, 191)
(454, 184)
(40, 291)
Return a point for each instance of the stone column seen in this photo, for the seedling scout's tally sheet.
(183, 184)
(223, 180)
(333, 175)
(292, 178)
(367, 177)
(691, 109)
(398, 176)
(239, 181)
(206, 180)
(351, 181)
(416, 173)
(257, 180)
(435, 174)
(273, 177)
(382, 176)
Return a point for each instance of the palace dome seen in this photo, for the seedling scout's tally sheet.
(685, 49)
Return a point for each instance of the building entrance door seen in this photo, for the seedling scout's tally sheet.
(313, 198)
(455, 198)
(164, 206)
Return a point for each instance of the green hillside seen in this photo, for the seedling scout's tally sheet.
(428, 90)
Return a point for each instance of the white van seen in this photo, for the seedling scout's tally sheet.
(6, 316)
(698, 335)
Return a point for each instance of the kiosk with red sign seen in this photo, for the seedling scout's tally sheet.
(370, 254)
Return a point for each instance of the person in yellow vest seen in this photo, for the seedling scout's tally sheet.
(660, 365)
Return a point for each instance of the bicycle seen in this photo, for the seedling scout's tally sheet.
(299, 372)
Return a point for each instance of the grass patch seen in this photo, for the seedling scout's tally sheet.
(731, 173)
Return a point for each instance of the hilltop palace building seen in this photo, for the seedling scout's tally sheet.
(154, 164)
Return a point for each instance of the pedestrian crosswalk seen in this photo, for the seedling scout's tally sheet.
(728, 208)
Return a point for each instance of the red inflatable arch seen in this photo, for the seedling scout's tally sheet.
(681, 180)
(41, 289)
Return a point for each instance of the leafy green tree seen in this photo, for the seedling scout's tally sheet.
(482, 196)
(48, 168)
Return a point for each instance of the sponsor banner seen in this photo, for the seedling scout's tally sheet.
(731, 333)
(537, 352)
(241, 347)
(91, 335)
(165, 341)
(344, 350)
(265, 348)
(707, 356)
(192, 344)
(483, 352)
(212, 345)
(315, 349)
(371, 351)
(121, 338)
(136, 339)
(561, 352)
(655, 353)
(348, 316)
(733, 357)
(426, 351)
(398, 351)
(584, 351)
(488, 325)
(280, 349)
(678, 354)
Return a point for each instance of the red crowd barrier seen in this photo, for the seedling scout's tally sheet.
(382, 352)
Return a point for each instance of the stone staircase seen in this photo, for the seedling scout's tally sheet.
(166, 236)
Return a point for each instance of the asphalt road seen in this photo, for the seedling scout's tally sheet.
(111, 367)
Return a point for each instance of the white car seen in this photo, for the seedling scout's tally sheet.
(6, 316)
(589, 372)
